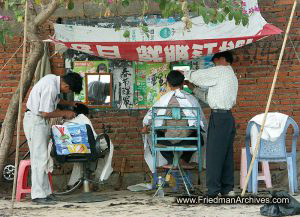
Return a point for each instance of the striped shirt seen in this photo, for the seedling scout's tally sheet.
(222, 85)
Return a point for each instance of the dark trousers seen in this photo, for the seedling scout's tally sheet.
(219, 153)
(186, 155)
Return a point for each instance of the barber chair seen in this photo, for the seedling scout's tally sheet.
(75, 143)
(176, 113)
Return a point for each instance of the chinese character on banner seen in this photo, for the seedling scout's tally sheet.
(108, 51)
(197, 50)
(176, 53)
(150, 54)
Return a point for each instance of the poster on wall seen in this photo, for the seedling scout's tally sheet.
(140, 88)
(123, 87)
(150, 83)
(83, 67)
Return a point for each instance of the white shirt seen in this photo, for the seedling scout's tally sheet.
(44, 95)
(222, 85)
(81, 119)
(184, 99)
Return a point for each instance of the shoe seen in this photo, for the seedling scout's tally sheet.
(43, 201)
(230, 194)
(52, 197)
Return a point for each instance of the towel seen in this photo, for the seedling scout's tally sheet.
(274, 126)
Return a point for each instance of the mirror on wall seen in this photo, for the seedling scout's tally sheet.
(98, 89)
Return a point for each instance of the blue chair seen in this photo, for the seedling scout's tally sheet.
(176, 114)
(273, 152)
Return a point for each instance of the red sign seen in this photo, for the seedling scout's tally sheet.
(166, 51)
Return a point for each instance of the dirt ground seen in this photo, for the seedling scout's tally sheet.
(124, 203)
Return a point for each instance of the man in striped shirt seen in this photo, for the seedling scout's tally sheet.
(222, 86)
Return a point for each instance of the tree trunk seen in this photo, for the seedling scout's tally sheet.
(36, 52)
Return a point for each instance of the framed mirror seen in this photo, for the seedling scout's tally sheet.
(98, 90)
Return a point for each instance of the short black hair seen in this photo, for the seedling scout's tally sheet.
(74, 80)
(102, 67)
(226, 54)
(81, 109)
(175, 78)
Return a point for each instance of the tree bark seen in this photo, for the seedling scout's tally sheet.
(36, 52)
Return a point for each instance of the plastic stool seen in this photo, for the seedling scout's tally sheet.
(265, 175)
(22, 182)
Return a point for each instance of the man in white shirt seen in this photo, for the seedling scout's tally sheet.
(175, 98)
(42, 105)
(222, 86)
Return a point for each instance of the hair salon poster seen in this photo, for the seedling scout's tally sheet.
(150, 83)
(83, 67)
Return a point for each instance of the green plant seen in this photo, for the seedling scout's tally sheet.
(212, 11)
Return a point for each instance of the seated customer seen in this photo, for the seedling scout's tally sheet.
(176, 98)
(102, 167)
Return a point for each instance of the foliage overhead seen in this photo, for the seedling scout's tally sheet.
(212, 11)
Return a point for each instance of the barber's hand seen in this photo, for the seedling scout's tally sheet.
(145, 130)
(190, 85)
(68, 114)
(76, 103)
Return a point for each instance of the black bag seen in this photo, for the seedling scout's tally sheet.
(292, 208)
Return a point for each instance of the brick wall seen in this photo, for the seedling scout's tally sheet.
(255, 66)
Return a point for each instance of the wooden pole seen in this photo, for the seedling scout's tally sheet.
(270, 97)
(20, 108)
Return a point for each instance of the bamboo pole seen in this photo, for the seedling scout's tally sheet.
(270, 97)
(20, 108)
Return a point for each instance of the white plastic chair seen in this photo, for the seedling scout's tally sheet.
(273, 151)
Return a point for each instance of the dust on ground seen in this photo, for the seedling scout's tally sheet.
(126, 203)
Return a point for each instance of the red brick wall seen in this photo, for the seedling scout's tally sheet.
(255, 66)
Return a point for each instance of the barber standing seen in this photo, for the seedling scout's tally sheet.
(42, 105)
(222, 86)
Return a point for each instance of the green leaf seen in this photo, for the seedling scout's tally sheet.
(211, 11)
(245, 20)
(2, 38)
(226, 10)
(126, 34)
(145, 29)
(230, 16)
(20, 19)
(206, 19)
(125, 3)
(202, 11)
(220, 17)
(237, 22)
(221, 5)
(236, 15)
(162, 5)
(70, 5)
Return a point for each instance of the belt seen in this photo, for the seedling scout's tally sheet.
(220, 111)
